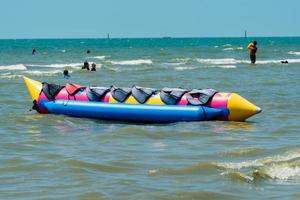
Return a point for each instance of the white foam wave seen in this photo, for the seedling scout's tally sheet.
(174, 64)
(263, 161)
(293, 60)
(10, 76)
(132, 62)
(72, 65)
(184, 68)
(63, 51)
(97, 57)
(232, 61)
(44, 73)
(184, 60)
(221, 61)
(227, 45)
(123, 69)
(232, 49)
(13, 67)
(294, 53)
(224, 66)
(228, 49)
(283, 171)
(277, 61)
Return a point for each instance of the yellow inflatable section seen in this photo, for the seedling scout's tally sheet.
(34, 87)
(240, 108)
(154, 100)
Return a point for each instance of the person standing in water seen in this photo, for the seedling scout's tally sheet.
(93, 67)
(33, 51)
(252, 47)
(86, 65)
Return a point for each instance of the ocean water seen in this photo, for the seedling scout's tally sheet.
(59, 157)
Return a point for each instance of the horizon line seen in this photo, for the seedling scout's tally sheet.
(140, 37)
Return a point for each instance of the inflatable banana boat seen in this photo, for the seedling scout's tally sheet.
(138, 104)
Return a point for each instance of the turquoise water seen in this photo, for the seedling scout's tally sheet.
(59, 157)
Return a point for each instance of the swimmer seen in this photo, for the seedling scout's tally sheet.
(66, 74)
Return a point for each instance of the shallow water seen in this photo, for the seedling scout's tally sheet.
(59, 157)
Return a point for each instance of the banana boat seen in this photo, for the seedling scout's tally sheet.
(138, 104)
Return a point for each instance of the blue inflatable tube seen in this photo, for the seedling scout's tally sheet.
(131, 112)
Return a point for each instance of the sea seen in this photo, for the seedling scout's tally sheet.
(60, 157)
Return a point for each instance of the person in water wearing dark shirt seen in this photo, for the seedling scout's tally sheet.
(252, 47)
(93, 67)
(66, 74)
(33, 51)
(86, 65)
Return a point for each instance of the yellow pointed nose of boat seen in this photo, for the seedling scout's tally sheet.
(34, 87)
(240, 109)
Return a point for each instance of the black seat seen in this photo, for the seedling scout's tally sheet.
(96, 93)
(171, 96)
(120, 94)
(203, 96)
(51, 90)
(142, 94)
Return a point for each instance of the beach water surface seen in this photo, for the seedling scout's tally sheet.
(59, 157)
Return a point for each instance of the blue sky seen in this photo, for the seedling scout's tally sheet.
(151, 18)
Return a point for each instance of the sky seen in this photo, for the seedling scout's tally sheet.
(148, 18)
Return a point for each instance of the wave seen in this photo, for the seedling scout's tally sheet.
(232, 61)
(184, 68)
(72, 65)
(227, 45)
(13, 67)
(44, 73)
(97, 57)
(280, 167)
(174, 64)
(221, 61)
(243, 152)
(10, 75)
(184, 60)
(222, 66)
(233, 49)
(277, 61)
(294, 53)
(96, 166)
(123, 69)
(132, 62)
(196, 168)
(282, 171)
(228, 49)
(260, 162)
